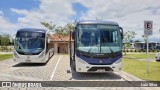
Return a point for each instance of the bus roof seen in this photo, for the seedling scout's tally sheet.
(33, 30)
(96, 22)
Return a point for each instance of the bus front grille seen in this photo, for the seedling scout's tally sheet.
(100, 68)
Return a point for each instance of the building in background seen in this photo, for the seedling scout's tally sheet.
(61, 43)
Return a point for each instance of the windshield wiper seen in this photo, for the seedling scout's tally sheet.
(89, 49)
(20, 45)
(110, 49)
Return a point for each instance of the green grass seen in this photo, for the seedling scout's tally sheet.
(138, 69)
(139, 56)
(5, 56)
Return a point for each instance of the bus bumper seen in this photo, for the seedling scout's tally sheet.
(28, 58)
(82, 66)
(23, 60)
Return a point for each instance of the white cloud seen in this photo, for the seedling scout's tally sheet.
(6, 26)
(24, 12)
(56, 11)
(116, 8)
(1, 13)
(130, 14)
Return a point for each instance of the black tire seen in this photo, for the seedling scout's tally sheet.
(72, 64)
(49, 56)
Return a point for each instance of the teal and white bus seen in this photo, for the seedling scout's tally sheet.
(32, 46)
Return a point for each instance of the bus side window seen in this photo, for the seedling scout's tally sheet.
(114, 35)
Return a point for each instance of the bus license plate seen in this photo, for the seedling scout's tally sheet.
(100, 70)
(28, 60)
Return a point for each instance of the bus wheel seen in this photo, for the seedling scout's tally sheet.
(74, 65)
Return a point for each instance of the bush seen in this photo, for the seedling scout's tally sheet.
(129, 50)
(141, 50)
(153, 50)
(126, 50)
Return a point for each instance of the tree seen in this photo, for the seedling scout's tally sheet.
(128, 36)
(65, 30)
(145, 38)
(4, 41)
(50, 26)
(61, 31)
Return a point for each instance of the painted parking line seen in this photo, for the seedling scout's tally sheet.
(54, 70)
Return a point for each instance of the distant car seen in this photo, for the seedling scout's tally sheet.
(158, 56)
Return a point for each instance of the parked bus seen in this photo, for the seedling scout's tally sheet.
(158, 46)
(32, 46)
(143, 46)
(97, 46)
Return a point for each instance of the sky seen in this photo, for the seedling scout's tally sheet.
(129, 14)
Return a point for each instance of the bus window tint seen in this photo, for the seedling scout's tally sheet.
(90, 38)
(29, 42)
(85, 38)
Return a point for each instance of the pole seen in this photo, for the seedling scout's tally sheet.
(70, 47)
(147, 61)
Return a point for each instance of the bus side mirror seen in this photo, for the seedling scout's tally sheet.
(121, 31)
(73, 34)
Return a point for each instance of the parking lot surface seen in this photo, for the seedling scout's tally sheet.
(58, 69)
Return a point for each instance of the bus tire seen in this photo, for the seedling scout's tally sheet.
(49, 56)
(74, 65)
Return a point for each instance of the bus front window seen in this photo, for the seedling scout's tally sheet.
(29, 43)
(98, 38)
(110, 41)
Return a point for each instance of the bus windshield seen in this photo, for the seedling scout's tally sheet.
(98, 38)
(29, 43)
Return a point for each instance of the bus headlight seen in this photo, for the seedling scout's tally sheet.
(16, 55)
(41, 55)
(118, 61)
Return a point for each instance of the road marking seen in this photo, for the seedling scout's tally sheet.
(54, 70)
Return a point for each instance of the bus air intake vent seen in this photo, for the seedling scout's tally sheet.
(98, 68)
